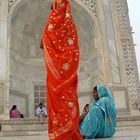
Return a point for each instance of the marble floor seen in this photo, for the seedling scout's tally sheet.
(120, 135)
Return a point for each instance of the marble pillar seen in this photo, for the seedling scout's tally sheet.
(4, 60)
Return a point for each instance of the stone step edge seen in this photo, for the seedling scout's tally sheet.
(128, 118)
(37, 121)
(22, 133)
(37, 133)
(23, 121)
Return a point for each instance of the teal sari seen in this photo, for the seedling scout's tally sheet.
(101, 119)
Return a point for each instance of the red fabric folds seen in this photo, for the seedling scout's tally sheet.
(61, 50)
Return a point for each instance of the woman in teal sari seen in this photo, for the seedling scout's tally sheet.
(100, 120)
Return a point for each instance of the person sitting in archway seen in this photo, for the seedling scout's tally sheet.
(41, 111)
(14, 113)
(100, 120)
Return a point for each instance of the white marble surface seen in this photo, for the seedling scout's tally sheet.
(2, 64)
(120, 102)
(96, 40)
(120, 135)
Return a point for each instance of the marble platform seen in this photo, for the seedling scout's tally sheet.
(119, 135)
(128, 128)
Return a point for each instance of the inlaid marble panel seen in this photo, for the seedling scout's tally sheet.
(120, 99)
(112, 48)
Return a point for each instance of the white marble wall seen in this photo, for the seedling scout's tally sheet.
(4, 56)
(120, 102)
(23, 76)
(20, 101)
(3, 38)
(112, 48)
(2, 64)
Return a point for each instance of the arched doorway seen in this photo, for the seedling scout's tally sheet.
(27, 70)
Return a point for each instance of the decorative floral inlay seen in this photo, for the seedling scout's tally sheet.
(66, 66)
(70, 41)
(50, 27)
(68, 15)
(70, 104)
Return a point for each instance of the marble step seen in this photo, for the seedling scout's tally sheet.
(23, 124)
(44, 134)
(36, 127)
(24, 127)
(23, 133)
(33, 126)
(24, 121)
(128, 121)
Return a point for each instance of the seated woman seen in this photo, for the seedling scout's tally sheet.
(14, 113)
(100, 120)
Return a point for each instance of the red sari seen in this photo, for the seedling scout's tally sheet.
(60, 44)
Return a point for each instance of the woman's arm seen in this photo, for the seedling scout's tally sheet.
(18, 114)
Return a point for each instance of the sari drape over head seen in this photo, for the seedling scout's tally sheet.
(61, 50)
(101, 119)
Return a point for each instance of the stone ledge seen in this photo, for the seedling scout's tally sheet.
(45, 120)
(34, 124)
(128, 118)
(23, 121)
(23, 133)
(24, 127)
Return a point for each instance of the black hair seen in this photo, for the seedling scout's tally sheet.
(13, 107)
(40, 104)
(95, 88)
(86, 105)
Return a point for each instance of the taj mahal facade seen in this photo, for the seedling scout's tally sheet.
(106, 45)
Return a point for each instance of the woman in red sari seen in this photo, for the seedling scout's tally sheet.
(60, 44)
